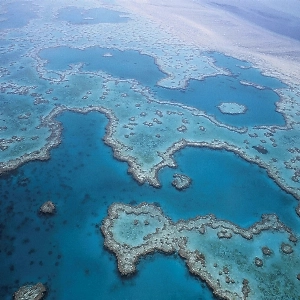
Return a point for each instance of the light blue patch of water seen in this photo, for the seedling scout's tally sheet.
(76, 15)
(243, 70)
(9, 54)
(17, 14)
(127, 64)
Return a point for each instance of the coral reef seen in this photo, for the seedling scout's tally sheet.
(222, 254)
(181, 181)
(48, 208)
(30, 292)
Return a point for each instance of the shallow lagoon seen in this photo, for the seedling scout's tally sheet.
(83, 179)
(205, 95)
(129, 64)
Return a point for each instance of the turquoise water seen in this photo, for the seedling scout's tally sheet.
(129, 64)
(208, 94)
(205, 95)
(76, 15)
(83, 179)
(242, 70)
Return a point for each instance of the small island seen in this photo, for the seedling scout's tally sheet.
(48, 208)
(181, 181)
(30, 292)
(232, 108)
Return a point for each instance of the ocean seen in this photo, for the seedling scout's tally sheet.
(82, 178)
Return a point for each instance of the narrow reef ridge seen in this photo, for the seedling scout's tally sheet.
(236, 263)
(248, 83)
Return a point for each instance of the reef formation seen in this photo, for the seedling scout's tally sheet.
(236, 263)
(48, 208)
(232, 108)
(181, 181)
(30, 292)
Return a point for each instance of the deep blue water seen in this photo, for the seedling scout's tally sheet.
(229, 187)
(83, 179)
(76, 15)
(17, 14)
(205, 95)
